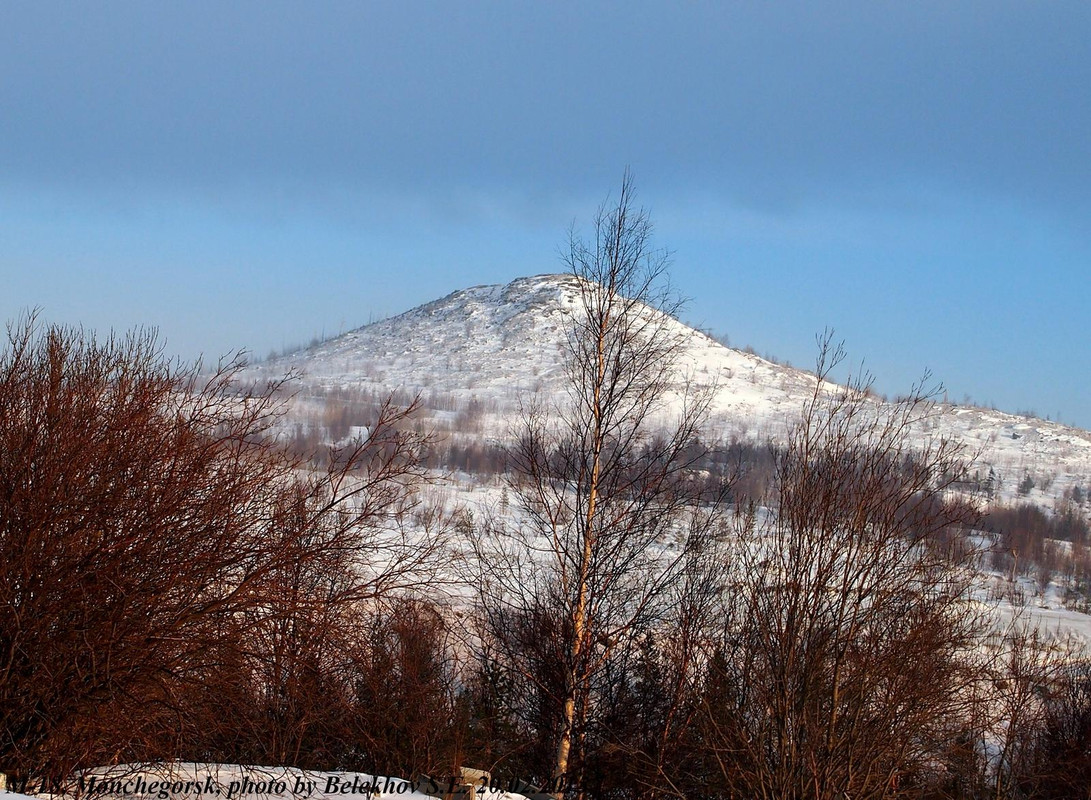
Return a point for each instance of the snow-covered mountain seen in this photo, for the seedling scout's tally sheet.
(498, 345)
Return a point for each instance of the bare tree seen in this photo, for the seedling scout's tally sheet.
(1027, 676)
(146, 514)
(1056, 760)
(842, 669)
(344, 543)
(608, 503)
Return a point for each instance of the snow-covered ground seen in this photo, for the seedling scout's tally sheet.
(1023, 602)
(499, 346)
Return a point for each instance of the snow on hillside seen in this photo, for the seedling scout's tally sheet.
(501, 344)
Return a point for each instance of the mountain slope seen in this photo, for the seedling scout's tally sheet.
(498, 345)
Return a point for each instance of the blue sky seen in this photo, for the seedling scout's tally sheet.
(248, 175)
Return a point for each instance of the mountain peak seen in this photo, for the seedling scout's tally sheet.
(498, 344)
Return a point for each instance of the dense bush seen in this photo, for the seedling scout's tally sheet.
(164, 556)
